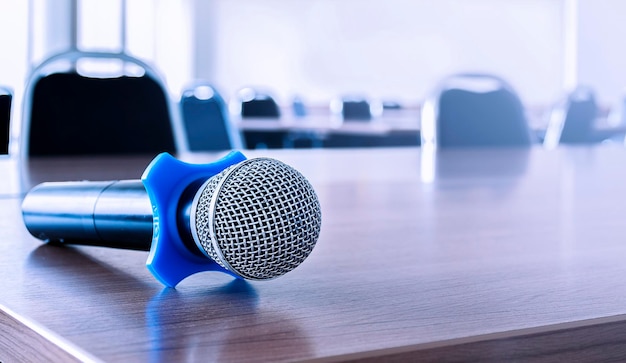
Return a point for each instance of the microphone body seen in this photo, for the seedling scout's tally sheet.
(254, 219)
(114, 214)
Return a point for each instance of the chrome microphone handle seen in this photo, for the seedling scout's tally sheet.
(114, 214)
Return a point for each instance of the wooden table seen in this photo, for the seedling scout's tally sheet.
(394, 128)
(326, 124)
(490, 255)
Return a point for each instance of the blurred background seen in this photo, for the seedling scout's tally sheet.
(394, 51)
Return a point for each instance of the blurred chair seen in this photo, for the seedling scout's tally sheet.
(252, 104)
(572, 120)
(299, 107)
(255, 104)
(206, 120)
(90, 103)
(6, 98)
(302, 138)
(355, 108)
(474, 110)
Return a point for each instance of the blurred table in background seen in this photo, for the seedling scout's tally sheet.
(395, 127)
(460, 255)
(319, 128)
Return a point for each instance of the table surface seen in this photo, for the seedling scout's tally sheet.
(398, 122)
(406, 121)
(475, 254)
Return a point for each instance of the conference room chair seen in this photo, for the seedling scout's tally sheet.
(299, 107)
(474, 110)
(94, 103)
(572, 119)
(258, 105)
(299, 139)
(354, 108)
(6, 98)
(357, 108)
(206, 119)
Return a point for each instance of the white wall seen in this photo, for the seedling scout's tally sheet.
(601, 50)
(51, 30)
(14, 50)
(391, 49)
(323, 48)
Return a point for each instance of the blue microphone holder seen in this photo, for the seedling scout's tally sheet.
(165, 180)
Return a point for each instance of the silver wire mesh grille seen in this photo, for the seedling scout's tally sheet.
(203, 215)
(266, 218)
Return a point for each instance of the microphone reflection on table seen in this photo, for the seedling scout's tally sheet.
(254, 219)
(172, 319)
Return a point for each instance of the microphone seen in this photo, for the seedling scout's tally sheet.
(254, 219)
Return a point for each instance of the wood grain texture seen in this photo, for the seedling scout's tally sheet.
(417, 254)
(593, 340)
(24, 341)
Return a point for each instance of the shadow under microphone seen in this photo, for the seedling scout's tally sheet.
(255, 219)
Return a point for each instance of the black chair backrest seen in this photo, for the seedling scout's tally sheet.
(76, 115)
(358, 110)
(6, 98)
(491, 116)
(581, 111)
(206, 120)
(262, 106)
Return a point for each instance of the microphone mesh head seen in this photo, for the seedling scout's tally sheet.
(259, 219)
